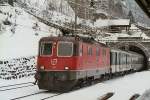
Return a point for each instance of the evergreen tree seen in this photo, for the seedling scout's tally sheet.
(130, 16)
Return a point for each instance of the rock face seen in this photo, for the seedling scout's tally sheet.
(81, 8)
(139, 15)
(109, 8)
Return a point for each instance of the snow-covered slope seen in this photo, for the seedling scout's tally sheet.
(21, 37)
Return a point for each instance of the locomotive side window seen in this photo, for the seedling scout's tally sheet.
(81, 51)
(46, 49)
(113, 58)
(104, 52)
(97, 51)
(65, 49)
(90, 51)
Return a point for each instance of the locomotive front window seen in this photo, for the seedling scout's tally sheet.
(46, 48)
(65, 49)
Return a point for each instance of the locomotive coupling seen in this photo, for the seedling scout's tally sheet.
(37, 77)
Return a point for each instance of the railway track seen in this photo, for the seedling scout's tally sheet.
(52, 96)
(21, 97)
(15, 86)
(36, 94)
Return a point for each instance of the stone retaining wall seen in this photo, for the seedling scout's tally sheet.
(17, 68)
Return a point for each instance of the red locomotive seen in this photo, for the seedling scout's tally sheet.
(65, 62)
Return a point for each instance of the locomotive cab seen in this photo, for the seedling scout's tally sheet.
(56, 60)
(53, 55)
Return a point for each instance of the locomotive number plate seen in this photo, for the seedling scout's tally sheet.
(53, 61)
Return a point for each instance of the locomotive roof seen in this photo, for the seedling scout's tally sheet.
(73, 39)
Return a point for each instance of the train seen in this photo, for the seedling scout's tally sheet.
(65, 62)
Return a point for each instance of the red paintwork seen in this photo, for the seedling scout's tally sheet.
(83, 62)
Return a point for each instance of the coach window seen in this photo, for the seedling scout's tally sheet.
(90, 51)
(97, 51)
(46, 49)
(104, 52)
(112, 57)
(65, 49)
(81, 51)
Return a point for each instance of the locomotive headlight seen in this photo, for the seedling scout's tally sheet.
(42, 67)
(66, 68)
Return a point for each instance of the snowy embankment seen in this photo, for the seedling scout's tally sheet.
(19, 37)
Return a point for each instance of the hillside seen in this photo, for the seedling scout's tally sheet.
(20, 37)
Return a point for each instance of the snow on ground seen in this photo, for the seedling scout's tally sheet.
(17, 92)
(145, 96)
(129, 85)
(16, 81)
(123, 88)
